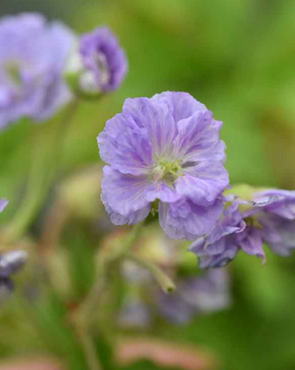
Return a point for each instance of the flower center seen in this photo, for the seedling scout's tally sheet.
(167, 171)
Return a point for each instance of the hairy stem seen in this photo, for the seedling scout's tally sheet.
(161, 277)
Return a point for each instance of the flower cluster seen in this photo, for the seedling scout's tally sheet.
(37, 58)
(266, 216)
(167, 150)
(165, 154)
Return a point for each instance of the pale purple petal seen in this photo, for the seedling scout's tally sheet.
(125, 146)
(250, 240)
(217, 254)
(203, 183)
(278, 233)
(157, 120)
(181, 104)
(282, 202)
(198, 139)
(185, 220)
(124, 194)
(131, 219)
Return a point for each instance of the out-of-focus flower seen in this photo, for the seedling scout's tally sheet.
(194, 296)
(197, 295)
(100, 65)
(267, 217)
(166, 148)
(135, 314)
(33, 56)
(3, 204)
(10, 263)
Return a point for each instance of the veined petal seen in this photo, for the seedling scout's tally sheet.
(185, 220)
(125, 146)
(124, 193)
(131, 219)
(203, 183)
(198, 139)
(181, 104)
(157, 120)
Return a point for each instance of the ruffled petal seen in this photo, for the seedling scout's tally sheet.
(250, 241)
(203, 183)
(157, 120)
(181, 104)
(131, 219)
(124, 194)
(198, 139)
(125, 146)
(185, 220)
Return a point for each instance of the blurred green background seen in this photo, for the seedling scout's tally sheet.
(237, 57)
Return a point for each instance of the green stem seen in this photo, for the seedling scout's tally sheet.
(161, 277)
(89, 349)
(83, 318)
(41, 175)
(105, 262)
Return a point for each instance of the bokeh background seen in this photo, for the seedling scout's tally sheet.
(237, 57)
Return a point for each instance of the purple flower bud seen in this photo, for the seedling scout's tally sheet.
(33, 56)
(104, 61)
(166, 148)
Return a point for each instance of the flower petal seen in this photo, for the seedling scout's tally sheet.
(125, 146)
(181, 104)
(203, 183)
(250, 241)
(198, 139)
(131, 219)
(157, 120)
(185, 220)
(124, 194)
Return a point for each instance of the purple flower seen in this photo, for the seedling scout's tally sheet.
(166, 148)
(33, 56)
(269, 217)
(196, 295)
(104, 60)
